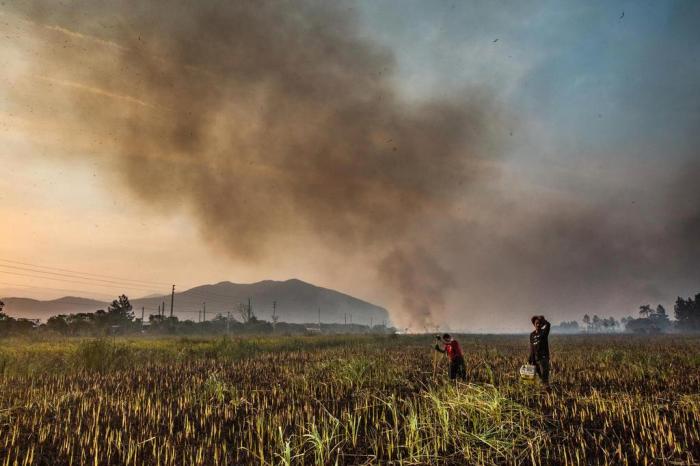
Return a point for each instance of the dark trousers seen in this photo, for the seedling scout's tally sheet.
(458, 368)
(542, 369)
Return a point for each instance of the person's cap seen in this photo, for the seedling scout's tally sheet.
(446, 336)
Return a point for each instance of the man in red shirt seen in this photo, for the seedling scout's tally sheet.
(454, 352)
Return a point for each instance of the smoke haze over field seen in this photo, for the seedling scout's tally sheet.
(279, 127)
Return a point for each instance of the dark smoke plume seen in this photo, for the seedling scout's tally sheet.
(266, 118)
(272, 119)
(421, 281)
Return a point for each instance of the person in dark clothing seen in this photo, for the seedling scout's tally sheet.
(539, 348)
(454, 353)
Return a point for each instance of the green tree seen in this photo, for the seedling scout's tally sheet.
(5, 320)
(58, 324)
(9, 325)
(587, 321)
(687, 313)
(120, 310)
(660, 318)
(645, 311)
(661, 311)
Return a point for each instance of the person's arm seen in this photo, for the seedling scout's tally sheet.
(531, 358)
(545, 327)
(437, 348)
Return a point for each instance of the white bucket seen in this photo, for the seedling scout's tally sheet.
(527, 372)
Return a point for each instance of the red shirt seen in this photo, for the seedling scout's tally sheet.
(453, 350)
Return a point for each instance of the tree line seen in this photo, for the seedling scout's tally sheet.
(650, 320)
(119, 319)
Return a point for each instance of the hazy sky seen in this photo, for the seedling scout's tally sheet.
(579, 194)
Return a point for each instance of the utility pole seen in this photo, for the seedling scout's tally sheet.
(274, 315)
(172, 301)
(228, 320)
(143, 309)
(162, 309)
(199, 316)
(346, 318)
(204, 310)
(159, 310)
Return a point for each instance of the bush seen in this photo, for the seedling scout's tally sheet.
(101, 355)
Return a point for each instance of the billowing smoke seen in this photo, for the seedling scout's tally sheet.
(421, 282)
(265, 119)
(271, 119)
(568, 257)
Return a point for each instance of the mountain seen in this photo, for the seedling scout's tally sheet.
(42, 310)
(297, 302)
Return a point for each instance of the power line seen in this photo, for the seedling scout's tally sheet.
(225, 300)
(34, 271)
(226, 304)
(24, 285)
(58, 274)
(89, 278)
(81, 281)
(230, 302)
(144, 282)
(97, 301)
(229, 299)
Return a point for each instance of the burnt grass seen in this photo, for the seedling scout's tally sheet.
(348, 400)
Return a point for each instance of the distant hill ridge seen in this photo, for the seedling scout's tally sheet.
(297, 302)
